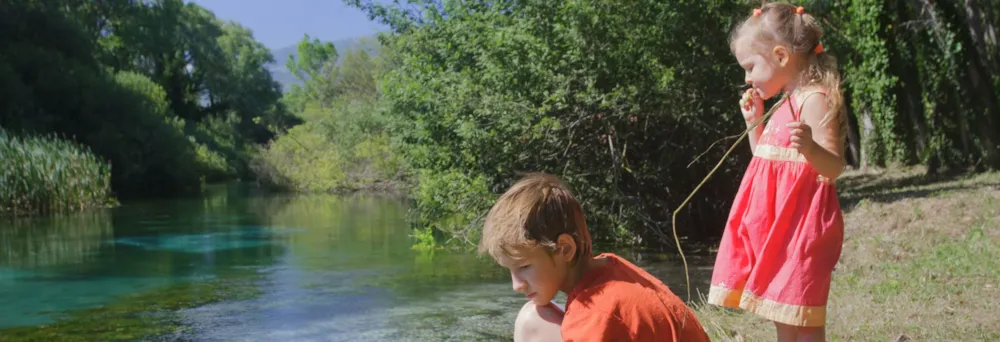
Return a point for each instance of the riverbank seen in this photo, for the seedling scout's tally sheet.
(921, 258)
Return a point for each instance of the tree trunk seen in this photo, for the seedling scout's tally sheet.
(926, 8)
(907, 128)
(982, 32)
(868, 133)
(853, 140)
(976, 19)
(910, 92)
(990, 18)
(978, 84)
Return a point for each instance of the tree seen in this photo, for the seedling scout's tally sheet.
(316, 67)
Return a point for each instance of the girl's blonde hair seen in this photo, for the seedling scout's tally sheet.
(780, 23)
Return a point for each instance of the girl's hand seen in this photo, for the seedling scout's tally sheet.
(751, 105)
(801, 137)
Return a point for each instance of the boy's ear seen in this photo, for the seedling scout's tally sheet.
(566, 247)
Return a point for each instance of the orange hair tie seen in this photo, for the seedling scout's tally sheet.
(757, 12)
(800, 10)
(818, 49)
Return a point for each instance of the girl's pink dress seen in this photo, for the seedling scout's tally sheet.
(783, 236)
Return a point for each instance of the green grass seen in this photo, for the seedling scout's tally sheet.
(921, 258)
(45, 174)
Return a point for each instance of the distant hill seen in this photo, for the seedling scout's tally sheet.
(343, 46)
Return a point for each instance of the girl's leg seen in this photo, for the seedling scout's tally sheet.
(786, 333)
(812, 334)
(538, 323)
(791, 333)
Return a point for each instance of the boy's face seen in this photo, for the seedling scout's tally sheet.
(536, 273)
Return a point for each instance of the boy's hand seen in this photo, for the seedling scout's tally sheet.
(751, 105)
(801, 137)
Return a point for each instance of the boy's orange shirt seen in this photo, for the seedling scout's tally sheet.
(621, 302)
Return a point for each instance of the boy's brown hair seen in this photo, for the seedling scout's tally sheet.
(533, 213)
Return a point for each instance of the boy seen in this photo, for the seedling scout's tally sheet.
(538, 231)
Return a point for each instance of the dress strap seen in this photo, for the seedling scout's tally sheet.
(797, 114)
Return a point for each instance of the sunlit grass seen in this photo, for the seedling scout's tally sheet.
(920, 260)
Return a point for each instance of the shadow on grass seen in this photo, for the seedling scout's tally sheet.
(882, 189)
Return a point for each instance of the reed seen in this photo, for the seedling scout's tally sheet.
(48, 174)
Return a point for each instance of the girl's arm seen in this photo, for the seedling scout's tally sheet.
(820, 144)
(754, 135)
(752, 107)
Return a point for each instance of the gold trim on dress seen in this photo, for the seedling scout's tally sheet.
(797, 315)
(772, 152)
(776, 153)
(722, 296)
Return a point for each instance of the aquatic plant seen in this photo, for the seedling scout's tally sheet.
(49, 174)
(141, 316)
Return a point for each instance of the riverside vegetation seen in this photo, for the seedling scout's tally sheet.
(633, 105)
(627, 103)
(151, 98)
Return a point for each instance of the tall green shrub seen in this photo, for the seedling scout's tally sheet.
(142, 138)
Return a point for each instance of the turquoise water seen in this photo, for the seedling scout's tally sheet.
(235, 265)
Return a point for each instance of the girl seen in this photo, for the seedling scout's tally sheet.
(784, 233)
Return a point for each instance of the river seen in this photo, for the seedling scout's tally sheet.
(236, 264)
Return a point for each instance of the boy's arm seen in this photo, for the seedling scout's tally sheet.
(594, 326)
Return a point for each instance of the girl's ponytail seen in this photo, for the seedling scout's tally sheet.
(824, 72)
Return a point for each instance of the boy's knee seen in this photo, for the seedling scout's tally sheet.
(538, 323)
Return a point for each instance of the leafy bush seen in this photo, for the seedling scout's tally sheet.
(616, 99)
(222, 152)
(301, 159)
(143, 140)
(448, 205)
(348, 149)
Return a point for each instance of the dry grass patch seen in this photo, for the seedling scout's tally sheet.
(921, 258)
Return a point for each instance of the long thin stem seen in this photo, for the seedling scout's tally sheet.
(687, 276)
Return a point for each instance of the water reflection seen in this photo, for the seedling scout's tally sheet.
(226, 238)
(53, 241)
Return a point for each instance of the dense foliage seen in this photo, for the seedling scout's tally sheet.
(631, 102)
(923, 78)
(163, 91)
(616, 98)
(621, 99)
(343, 144)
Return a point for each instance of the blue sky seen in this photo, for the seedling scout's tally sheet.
(278, 24)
